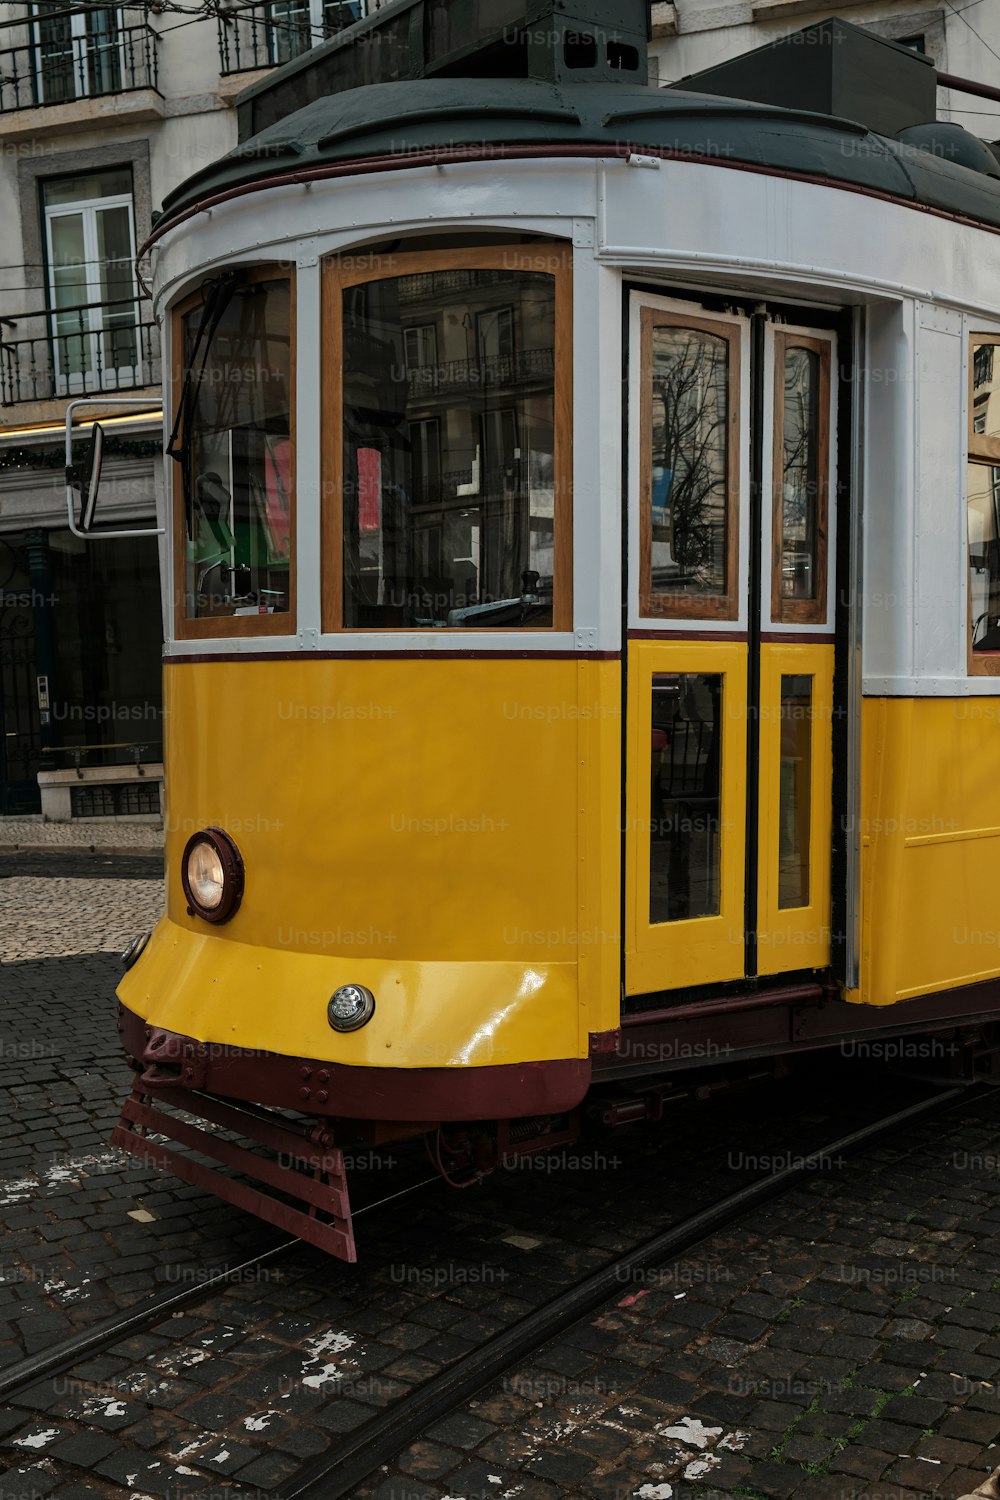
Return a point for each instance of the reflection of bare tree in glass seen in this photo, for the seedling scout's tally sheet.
(799, 478)
(690, 415)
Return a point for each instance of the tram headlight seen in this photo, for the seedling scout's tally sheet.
(350, 1007)
(212, 875)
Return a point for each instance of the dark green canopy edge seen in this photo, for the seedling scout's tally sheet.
(407, 118)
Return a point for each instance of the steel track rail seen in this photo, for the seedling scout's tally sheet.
(337, 1474)
(58, 1357)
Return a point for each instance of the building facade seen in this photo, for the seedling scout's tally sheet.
(961, 40)
(103, 112)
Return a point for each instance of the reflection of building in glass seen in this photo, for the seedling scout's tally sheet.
(984, 555)
(449, 447)
(984, 503)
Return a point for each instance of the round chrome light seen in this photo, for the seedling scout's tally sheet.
(134, 949)
(212, 875)
(350, 1007)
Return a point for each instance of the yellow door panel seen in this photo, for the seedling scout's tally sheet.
(686, 811)
(795, 809)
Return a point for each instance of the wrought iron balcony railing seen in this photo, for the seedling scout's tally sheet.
(264, 35)
(72, 351)
(57, 69)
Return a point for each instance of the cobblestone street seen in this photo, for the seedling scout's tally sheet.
(841, 1342)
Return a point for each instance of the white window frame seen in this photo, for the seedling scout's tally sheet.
(96, 375)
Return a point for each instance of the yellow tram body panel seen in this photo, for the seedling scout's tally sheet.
(444, 831)
(930, 846)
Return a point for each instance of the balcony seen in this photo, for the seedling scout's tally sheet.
(70, 69)
(58, 84)
(94, 348)
(265, 35)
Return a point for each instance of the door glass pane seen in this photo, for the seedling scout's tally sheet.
(689, 462)
(449, 443)
(795, 798)
(114, 242)
(984, 557)
(685, 796)
(104, 73)
(70, 295)
(290, 32)
(56, 73)
(799, 481)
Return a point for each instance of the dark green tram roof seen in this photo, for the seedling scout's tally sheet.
(349, 100)
(406, 119)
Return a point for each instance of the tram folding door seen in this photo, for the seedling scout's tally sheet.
(730, 650)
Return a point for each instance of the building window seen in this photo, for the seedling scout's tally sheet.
(983, 507)
(448, 443)
(234, 530)
(420, 346)
(93, 298)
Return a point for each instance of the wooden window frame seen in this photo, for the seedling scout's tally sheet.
(554, 258)
(694, 606)
(226, 627)
(814, 611)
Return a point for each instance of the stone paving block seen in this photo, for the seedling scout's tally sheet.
(268, 1471)
(27, 1482)
(135, 1470)
(861, 1461)
(949, 1450)
(84, 1449)
(982, 1427)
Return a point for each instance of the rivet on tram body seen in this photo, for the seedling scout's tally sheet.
(322, 1096)
(324, 1076)
(304, 1093)
(306, 1072)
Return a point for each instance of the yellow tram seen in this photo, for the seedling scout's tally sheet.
(582, 590)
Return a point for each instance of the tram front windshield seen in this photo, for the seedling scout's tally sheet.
(235, 450)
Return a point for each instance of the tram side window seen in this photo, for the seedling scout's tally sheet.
(233, 444)
(689, 467)
(450, 449)
(983, 506)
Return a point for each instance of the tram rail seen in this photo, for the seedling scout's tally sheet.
(376, 1442)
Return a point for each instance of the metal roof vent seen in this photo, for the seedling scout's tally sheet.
(832, 68)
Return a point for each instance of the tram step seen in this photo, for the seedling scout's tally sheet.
(311, 1172)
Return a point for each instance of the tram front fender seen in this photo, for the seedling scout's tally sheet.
(440, 1014)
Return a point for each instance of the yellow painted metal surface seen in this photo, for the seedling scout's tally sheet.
(930, 846)
(794, 937)
(700, 950)
(444, 831)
